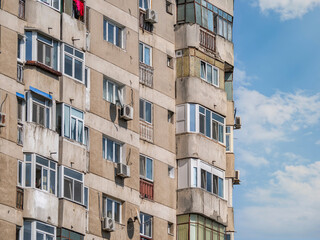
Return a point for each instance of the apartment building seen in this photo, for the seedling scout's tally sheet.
(116, 119)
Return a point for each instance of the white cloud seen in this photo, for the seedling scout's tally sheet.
(275, 118)
(294, 158)
(317, 142)
(251, 158)
(289, 9)
(287, 208)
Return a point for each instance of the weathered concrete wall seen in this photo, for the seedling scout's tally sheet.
(41, 206)
(8, 230)
(230, 227)
(41, 140)
(8, 180)
(230, 113)
(196, 146)
(225, 49)
(196, 200)
(230, 165)
(73, 29)
(8, 56)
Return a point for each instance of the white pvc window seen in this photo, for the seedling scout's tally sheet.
(73, 63)
(112, 209)
(146, 225)
(145, 54)
(52, 3)
(72, 185)
(40, 110)
(229, 138)
(113, 33)
(38, 230)
(112, 150)
(209, 73)
(144, 4)
(111, 91)
(73, 123)
(145, 110)
(146, 168)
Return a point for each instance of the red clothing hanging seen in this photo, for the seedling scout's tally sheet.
(80, 7)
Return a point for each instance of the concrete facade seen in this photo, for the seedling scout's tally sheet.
(72, 162)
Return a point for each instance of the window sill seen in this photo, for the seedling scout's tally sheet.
(43, 67)
(73, 78)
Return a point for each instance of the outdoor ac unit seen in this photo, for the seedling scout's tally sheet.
(2, 119)
(151, 16)
(126, 112)
(237, 124)
(236, 180)
(108, 224)
(123, 170)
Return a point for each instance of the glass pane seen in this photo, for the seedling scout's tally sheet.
(201, 232)
(149, 174)
(220, 29)
(47, 117)
(140, 3)
(147, 56)
(193, 231)
(147, 225)
(41, 115)
(146, 4)
(181, 16)
(110, 92)
(68, 65)
(45, 228)
(118, 36)
(215, 184)
(203, 70)
(49, 237)
(76, 113)
(221, 134)
(73, 128)
(221, 187)
(183, 232)
(80, 131)
(86, 196)
(34, 112)
(209, 182)
(27, 230)
(40, 52)
(73, 174)
(104, 141)
(215, 130)
(183, 219)
(142, 166)
(78, 191)
(105, 89)
(215, 235)
(141, 108)
(78, 54)
(109, 208)
(208, 123)
(109, 150)
(117, 212)
(192, 117)
(52, 182)
(117, 153)
(201, 123)
(198, 14)
(66, 121)
(204, 17)
(110, 33)
(227, 142)
(28, 175)
(229, 32)
(48, 55)
(40, 236)
(45, 180)
(42, 161)
(225, 28)
(195, 177)
(68, 188)
(209, 74)
(148, 112)
(78, 70)
(19, 173)
(203, 179)
(190, 13)
(218, 118)
(140, 52)
(38, 176)
(215, 77)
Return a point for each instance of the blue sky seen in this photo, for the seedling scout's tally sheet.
(277, 82)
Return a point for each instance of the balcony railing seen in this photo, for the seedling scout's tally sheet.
(207, 40)
(146, 189)
(20, 198)
(19, 72)
(143, 23)
(21, 13)
(146, 75)
(146, 132)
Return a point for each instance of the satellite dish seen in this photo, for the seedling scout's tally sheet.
(137, 217)
(120, 97)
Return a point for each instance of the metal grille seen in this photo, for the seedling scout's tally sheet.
(146, 75)
(146, 189)
(146, 132)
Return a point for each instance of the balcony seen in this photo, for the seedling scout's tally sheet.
(146, 132)
(146, 75)
(207, 40)
(20, 72)
(20, 193)
(146, 189)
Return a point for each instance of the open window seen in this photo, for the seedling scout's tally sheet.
(112, 150)
(112, 209)
(75, 8)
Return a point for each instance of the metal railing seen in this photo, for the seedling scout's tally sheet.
(146, 189)
(20, 194)
(146, 132)
(207, 40)
(146, 74)
(143, 23)
(20, 72)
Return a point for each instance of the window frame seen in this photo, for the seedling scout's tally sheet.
(105, 140)
(47, 106)
(34, 229)
(143, 47)
(50, 4)
(143, 7)
(78, 119)
(214, 77)
(106, 23)
(144, 119)
(144, 175)
(74, 59)
(142, 225)
(113, 202)
(116, 89)
(229, 138)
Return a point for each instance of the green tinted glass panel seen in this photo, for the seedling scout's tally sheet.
(183, 219)
(190, 13)
(181, 12)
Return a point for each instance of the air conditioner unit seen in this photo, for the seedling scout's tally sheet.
(108, 224)
(123, 170)
(151, 16)
(2, 119)
(236, 180)
(237, 124)
(126, 112)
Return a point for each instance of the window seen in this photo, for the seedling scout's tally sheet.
(72, 185)
(113, 33)
(145, 226)
(144, 4)
(65, 234)
(112, 209)
(169, 6)
(146, 168)
(229, 138)
(52, 3)
(112, 150)
(145, 54)
(196, 227)
(20, 52)
(73, 63)
(224, 27)
(75, 8)
(145, 111)
(38, 230)
(170, 116)
(170, 228)
(209, 73)
(73, 123)
(20, 107)
(42, 49)
(171, 171)
(169, 61)
(111, 91)
(206, 122)
(19, 174)
(40, 173)
(40, 109)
